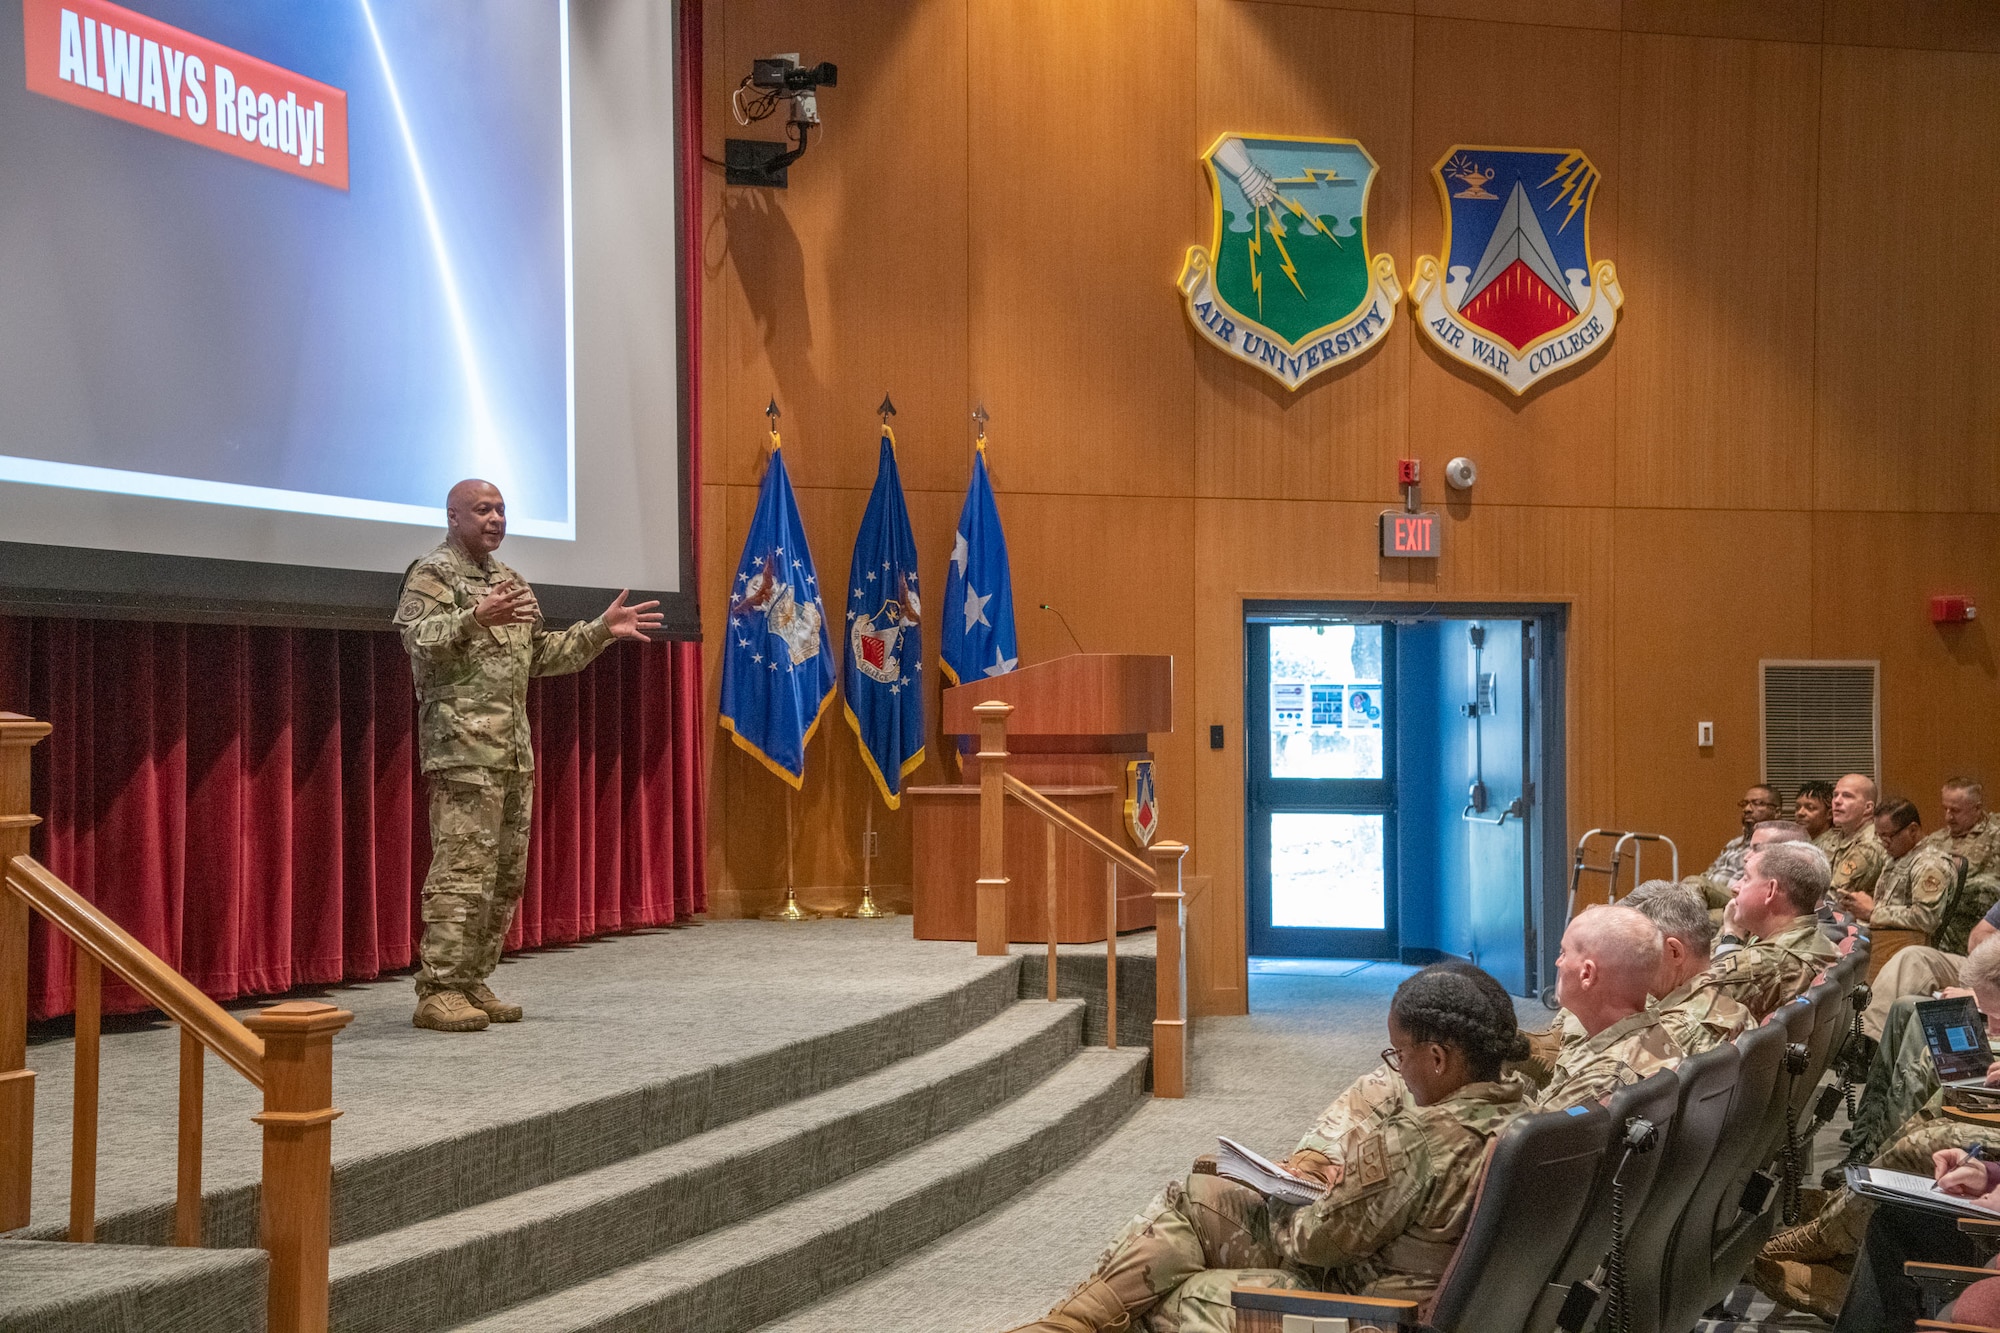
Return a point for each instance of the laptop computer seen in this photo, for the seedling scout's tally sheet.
(1955, 1032)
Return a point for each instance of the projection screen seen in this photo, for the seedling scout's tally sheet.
(275, 273)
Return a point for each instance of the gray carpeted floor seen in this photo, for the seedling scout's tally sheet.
(602, 1018)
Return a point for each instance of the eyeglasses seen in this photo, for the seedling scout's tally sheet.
(1392, 1056)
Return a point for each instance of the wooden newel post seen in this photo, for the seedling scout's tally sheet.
(18, 737)
(990, 920)
(298, 1118)
(1169, 972)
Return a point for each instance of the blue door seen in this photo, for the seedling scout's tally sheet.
(1494, 664)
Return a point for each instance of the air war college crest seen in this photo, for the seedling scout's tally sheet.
(1517, 294)
(1287, 282)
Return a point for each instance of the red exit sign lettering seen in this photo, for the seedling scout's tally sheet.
(1409, 536)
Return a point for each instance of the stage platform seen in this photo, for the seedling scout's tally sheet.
(702, 1129)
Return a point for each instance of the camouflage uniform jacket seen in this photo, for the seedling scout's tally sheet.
(1368, 1101)
(1701, 1016)
(1389, 1227)
(1857, 859)
(1591, 1070)
(1911, 893)
(472, 679)
(1729, 863)
(1980, 847)
(1545, 1048)
(1765, 973)
(1968, 907)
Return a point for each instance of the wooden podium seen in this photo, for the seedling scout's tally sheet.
(1078, 721)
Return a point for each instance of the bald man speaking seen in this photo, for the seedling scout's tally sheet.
(475, 636)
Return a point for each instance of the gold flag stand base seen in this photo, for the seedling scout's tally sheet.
(791, 911)
(869, 910)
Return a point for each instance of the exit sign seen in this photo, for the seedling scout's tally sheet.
(1410, 535)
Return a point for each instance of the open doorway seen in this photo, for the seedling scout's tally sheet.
(1404, 785)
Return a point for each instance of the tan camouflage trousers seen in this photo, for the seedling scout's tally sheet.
(1174, 1263)
(479, 863)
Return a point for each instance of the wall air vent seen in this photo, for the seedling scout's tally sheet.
(1821, 721)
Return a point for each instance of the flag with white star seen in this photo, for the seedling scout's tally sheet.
(882, 673)
(978, 608)
(777, 666)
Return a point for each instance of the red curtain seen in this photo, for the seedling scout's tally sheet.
(246, 801)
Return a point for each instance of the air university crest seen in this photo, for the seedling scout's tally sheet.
(1517, 293)
(1287, 282)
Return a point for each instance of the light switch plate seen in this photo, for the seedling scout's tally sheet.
(1704, 734)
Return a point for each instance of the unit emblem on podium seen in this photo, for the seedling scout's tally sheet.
(1142, 807)
(1517, 293)
(1287, 282)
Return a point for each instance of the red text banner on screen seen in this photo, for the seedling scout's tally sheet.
(107, 59)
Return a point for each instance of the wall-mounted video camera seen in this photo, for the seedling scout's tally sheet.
(773, 80)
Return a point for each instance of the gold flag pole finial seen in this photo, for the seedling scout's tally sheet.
(886, 410)
(772, 413)
(979, 420)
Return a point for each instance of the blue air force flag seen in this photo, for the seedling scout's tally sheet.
(978, 610)
(883, 674)
(777, 668)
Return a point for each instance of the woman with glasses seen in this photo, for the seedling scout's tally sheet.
(1399, 1181)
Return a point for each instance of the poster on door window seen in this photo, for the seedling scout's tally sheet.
(1288, 705)
(1363, 708)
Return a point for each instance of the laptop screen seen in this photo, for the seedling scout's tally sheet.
(1956, 1035)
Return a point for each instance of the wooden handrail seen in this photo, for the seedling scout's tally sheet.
(163, 988)
(1055, 814)
(286, 1050)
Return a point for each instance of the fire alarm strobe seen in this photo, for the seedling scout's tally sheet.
(1953, 610)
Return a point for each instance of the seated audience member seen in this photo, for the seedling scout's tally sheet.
(1759, 805)
(1772, 909)
(1770, 831)
(1806, 1267)
(1969, 833)
(1852, 849)
(1911, 891)
(1971, 915)
(1697, 1013)
(1605, 973)
(1812, 808)
(1400, 1186)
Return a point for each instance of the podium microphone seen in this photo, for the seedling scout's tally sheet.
(1065, 623)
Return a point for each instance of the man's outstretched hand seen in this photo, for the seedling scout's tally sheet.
(632, 622)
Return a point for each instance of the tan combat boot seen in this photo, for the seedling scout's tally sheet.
(448, 1011)
(1091, 1308)
(1811, 1242)
(1814, 1288)
(483, 999)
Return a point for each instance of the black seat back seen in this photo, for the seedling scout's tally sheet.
(1691, 1252)
(1534, 1189)
(1707, 1082)
(1653, 1098)
(1829, 1015)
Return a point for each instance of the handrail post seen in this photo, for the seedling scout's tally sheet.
(1170, 971)
(18, 736)
(990, 928)
(297, 1226)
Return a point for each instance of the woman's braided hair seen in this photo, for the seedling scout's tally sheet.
(1457, 1004)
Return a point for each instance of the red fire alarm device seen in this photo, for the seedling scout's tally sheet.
(1409, 471)
(1952, 610)
(1409, 536)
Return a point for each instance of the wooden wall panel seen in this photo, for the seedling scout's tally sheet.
(1715, 375)
(1763, 20)
(852, 281)
(1945, 25)
(1293, 70)
(1700, 597)
(1940, 707)
(1553, 446)
(1083, 200)
(1789, 445)
(1909, 311)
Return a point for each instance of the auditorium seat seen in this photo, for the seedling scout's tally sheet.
(1713, 1213)
(1541, 1167)
(1653, 1099)
(1740, 1235)
(1706, 1082)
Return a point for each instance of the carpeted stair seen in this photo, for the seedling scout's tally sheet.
(708, 1202)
